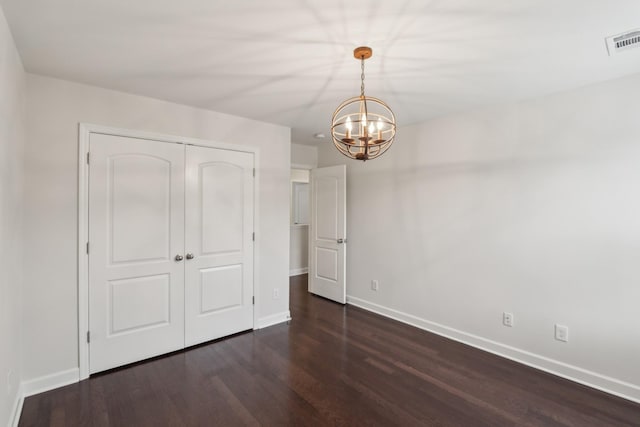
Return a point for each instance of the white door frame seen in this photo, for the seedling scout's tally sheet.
(85, 130)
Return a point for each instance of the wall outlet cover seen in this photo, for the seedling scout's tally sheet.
(562, 333)
(507, 319)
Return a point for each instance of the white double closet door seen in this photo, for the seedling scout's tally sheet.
(171, 247)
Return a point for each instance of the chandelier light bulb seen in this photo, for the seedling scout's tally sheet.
(349, 126)
(380, 126)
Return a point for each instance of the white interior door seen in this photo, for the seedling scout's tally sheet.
(136, 228)
(219, 243)
(328, 232)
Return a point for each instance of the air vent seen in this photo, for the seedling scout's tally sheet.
(622, 42)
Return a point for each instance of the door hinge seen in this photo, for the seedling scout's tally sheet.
(254, 172)
(253, 300)
(87, 248)
(87, 157)
(253, 236)
(88, 337)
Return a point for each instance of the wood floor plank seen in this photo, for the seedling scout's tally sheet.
(331, 365)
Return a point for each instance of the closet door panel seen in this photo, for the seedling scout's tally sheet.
(218, 240)
(136, 228)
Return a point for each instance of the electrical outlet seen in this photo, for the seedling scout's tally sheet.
(276, 293)
(507, 319)
(562, 333)
(374, 285)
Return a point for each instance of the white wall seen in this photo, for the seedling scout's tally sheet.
(531, 208)
(12, 139)
(54, 109)
(299, 250)
(300, 175)
(304, 156)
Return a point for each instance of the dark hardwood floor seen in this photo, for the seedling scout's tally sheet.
(332, 365)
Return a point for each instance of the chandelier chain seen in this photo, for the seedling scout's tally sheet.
(362, 76)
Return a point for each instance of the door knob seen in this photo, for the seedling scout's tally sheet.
(179, 257)
(341, 240)
(190, 256)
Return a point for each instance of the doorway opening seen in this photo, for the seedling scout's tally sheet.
(299, 222)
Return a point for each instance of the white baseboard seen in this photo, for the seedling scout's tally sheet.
(274, 319)
(583, 376)
(17, 408)
(49, 382)
(298, 271)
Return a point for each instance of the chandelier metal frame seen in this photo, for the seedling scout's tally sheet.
(375, 128)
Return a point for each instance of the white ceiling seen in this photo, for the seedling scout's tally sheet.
(290, 62)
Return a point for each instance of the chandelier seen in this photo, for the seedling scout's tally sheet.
(363, 127)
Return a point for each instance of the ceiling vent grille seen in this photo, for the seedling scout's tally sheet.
(622, 42)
